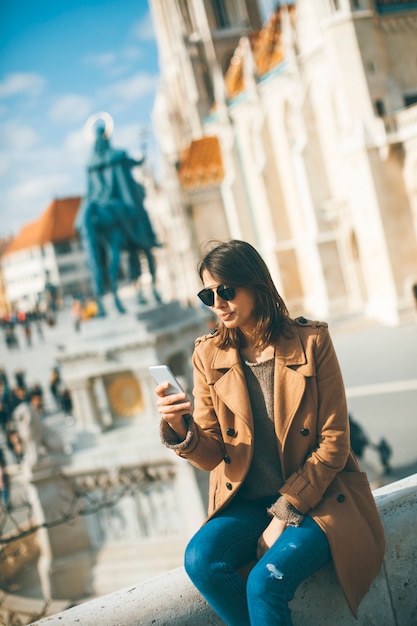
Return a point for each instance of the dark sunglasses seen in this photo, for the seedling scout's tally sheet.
(225, 293)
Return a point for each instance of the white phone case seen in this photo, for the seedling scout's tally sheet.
(163, 374)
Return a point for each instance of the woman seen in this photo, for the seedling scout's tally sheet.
(270, 423)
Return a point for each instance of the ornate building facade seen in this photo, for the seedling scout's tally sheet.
(295, 127)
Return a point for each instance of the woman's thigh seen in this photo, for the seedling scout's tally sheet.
(229, 538)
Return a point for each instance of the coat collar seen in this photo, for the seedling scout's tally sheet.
(289, 350)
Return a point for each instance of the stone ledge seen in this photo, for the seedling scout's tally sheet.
(171, 600)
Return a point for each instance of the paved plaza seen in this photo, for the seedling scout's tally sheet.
(379, 366)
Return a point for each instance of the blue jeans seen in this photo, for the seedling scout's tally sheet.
(228, 541)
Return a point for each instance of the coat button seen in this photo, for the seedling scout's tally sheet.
(341, 497)
(231, 432)
(226, 459)
(303, 320)
(304, 432)
(229, 486)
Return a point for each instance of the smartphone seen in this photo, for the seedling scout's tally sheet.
(163, 374)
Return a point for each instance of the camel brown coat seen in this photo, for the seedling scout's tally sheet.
(321, 476)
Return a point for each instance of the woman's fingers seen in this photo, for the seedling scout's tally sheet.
(172, 405)
(271, 533)
(179, 410)
(161, 389)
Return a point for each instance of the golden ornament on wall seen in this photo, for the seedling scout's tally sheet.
(125, 395)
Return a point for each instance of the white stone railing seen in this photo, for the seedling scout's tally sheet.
(171, 600)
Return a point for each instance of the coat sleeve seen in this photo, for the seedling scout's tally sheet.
(306, 486)
(205, 448)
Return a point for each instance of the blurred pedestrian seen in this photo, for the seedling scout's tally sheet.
(28, 333)
(66, 401)
(77, 314)
(358, 438)
(54, 385)
(20, 378)
(3, 377)
(18, 395)
(4, 482)
(37, 318)
(385, 452)
(11, 339)
(5, 414)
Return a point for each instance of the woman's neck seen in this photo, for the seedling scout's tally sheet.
(255, 355)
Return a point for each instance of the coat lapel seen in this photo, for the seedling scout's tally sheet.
(291, 368)
(231, 386)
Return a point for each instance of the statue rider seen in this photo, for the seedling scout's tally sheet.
(112, 218)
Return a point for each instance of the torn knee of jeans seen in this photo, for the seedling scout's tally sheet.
(274, 571)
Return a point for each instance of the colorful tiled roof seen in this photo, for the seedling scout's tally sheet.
(267, 50)
(55, 224)
(201, 164)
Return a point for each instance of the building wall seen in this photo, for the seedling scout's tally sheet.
(26, 272)
(319, 157)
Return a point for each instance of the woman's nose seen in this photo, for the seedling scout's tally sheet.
(218, 302)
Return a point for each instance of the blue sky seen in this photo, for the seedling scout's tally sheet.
(60, 62)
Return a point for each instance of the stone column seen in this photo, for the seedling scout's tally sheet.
(104, 413)
(85, 405)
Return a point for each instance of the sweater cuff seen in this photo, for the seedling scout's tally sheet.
(286, 512)
(170, 438)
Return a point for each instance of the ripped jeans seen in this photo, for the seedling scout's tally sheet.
(228, 541)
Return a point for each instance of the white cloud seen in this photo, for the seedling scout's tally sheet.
(131, 89)
(17, 138)
(38, 187)
(25, 199)
(128, 137)
(116, 64)
(4, 164)
(71, 109)
(21, 83)
(104, 59)
(143, 29)
(131, 53)
(77, 146)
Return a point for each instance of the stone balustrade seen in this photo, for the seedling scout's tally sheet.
(171, 600)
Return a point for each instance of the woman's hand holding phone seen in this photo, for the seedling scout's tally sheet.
(173, 403)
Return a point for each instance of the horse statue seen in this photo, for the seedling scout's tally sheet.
(112, 219)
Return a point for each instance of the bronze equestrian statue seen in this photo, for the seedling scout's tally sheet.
(112, 219)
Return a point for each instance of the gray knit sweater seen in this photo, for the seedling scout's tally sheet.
(265, 476)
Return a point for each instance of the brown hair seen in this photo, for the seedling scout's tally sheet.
(237, 264)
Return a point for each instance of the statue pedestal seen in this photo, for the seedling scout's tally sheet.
(106, 365)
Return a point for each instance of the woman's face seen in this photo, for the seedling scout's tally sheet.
(236, 313)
